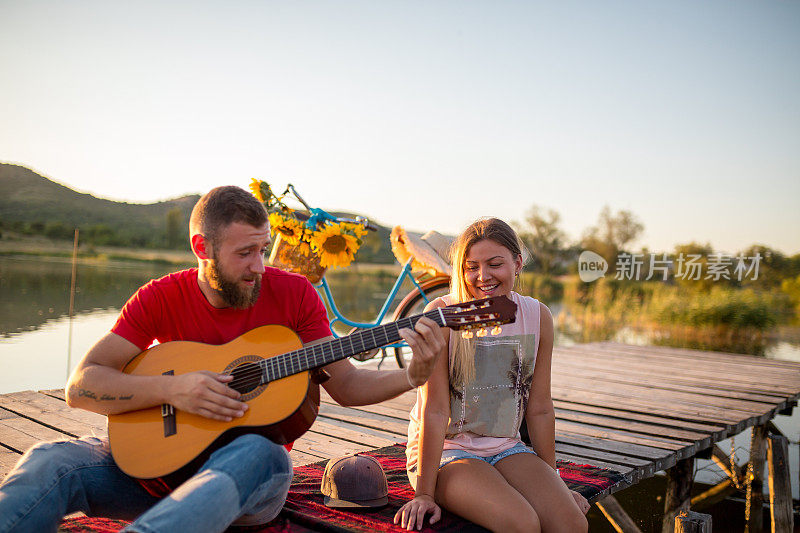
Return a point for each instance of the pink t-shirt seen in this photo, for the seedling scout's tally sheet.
(485, 416)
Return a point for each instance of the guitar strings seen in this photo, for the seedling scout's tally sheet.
(293, 359)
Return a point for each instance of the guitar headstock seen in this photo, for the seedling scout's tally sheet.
(480, 314)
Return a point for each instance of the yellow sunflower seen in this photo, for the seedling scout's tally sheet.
(255, 188)
(304, 248)
(358, 230)
(290, 229)
(334, 247)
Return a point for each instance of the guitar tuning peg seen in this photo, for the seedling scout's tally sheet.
(497, 330)
(481, 332)
(466, 334)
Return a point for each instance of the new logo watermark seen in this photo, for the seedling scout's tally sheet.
(715, 266)
(591, 266)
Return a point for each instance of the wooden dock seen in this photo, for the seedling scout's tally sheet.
(633, 409)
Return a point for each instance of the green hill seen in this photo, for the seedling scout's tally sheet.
(31, 204)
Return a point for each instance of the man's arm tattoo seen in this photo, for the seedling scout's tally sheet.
(104, 398)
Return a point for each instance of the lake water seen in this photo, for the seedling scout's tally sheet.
(35, 347)
(37, 350)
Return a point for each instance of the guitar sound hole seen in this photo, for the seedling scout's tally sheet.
(246, 377)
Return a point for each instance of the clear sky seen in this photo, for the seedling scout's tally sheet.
(426, 114)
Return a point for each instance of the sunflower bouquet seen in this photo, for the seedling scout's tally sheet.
(307, 244)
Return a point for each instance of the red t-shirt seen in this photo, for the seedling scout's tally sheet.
(173, 308)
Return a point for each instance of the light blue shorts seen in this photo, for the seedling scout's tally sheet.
(448, 456)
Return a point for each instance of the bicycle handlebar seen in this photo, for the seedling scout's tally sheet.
(358, 220)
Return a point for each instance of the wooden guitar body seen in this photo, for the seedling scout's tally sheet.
(280, 410)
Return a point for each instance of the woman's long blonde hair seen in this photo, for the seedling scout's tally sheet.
(462, 369)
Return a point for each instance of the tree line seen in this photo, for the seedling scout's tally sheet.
(172, 234)
(613, 236)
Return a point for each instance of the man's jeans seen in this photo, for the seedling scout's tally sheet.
(251, 475)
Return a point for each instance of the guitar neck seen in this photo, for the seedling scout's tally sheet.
(318, 355)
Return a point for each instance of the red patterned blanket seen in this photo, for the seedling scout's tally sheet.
(304, 510)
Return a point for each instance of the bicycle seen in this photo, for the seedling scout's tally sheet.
(431, 280)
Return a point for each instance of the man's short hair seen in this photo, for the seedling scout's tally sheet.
(223, 206)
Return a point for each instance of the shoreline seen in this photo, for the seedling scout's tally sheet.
(34, 247)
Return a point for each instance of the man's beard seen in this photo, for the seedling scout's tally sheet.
(229, 290)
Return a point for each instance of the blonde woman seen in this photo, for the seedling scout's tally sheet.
(464, 450)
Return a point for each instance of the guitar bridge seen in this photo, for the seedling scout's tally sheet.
(168, 413)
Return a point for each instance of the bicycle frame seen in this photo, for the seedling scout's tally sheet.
(324, 289)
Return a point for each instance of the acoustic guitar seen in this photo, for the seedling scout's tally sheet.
(272, 371)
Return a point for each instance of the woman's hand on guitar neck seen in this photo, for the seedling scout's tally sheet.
(206, 394)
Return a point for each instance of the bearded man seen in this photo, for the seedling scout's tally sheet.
(229, 293)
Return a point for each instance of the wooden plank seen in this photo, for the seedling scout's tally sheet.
(704, 439)
(360, 436)
(55, 393)
(751, 373)
(660, 458)
(404, 402)
(325, 447)
(18, 433)
(299, 458)
(628, 472)
(364, 418)
(590, 455)
(682, 449)
(696, 385)
(712, 384)
(376, 408)
(748, 373)
(680, 400)
(646, 406)
(717, 431)
(8, 459)
(657, 393)
(711, 355)
(668, 352)
(54, 413)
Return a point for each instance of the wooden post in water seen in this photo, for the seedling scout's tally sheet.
(780, 491)
(755, 504)
(617, 516)
(691, 522)
(714, 495)
(679, 488)
(72, 298)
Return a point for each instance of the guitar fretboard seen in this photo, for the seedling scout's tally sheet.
(325, 353)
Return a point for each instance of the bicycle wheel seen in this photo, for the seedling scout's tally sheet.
(363, 356)
(414, 303)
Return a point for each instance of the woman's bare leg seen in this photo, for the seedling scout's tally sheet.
(543, 489)
(475, 490)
